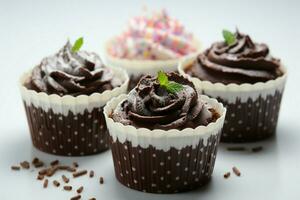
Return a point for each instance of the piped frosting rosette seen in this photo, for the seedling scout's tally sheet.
(246, 79)
(151, 42)
(64, 97)
(169, 153)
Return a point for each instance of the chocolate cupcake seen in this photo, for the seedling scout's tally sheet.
(64, 98)
(151, 42)
(164, 135)
(245, 77)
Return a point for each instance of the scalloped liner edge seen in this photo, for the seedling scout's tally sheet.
(67, 103)
(232, 92)
(142, 67)
(163, 139)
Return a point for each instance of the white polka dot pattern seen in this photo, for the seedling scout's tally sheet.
(251, 121)
(158, 171)
(71, 135)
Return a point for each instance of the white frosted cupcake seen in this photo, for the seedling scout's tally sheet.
(164, 135)
(151, 42)
(64, 98)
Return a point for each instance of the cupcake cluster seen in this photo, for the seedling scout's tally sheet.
(160, 103)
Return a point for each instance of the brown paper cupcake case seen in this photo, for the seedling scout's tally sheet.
(252, 109)
(138, 68)
(67, 125)
(161, 161)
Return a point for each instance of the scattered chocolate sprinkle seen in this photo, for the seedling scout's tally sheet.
(101, 180)
(67, 187)
(56, 183)
(67, 168)
(236, 171)
(45, 185)
(25, 165)
(54, 162)
(79, 173)
(226, 175)
(79, 190)
(92, 174)
(257, 149)
(65, 179)
(236, 148)
(52, 171)
(35, 160)
(43, 171)
(76, 197)
(16, 168)
(38, 164)
(40, 177)
(92, 199)
(75, 164)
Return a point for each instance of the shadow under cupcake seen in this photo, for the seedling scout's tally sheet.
(246, 79)
(64, 98)
(164, 135)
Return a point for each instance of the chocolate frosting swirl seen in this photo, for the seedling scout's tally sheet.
(242, 62)
(150, 106)
(72, 73)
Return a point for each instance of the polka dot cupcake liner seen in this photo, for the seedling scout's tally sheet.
(137, 68)
(67, 125)
(252, 109)
(156, 171)
(71, 135)
(253, 120)
(159, 161)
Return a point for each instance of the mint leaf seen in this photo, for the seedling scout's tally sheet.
(170, 86)
(162, 78)
(228, 37)
(174, 87)
(77, 45)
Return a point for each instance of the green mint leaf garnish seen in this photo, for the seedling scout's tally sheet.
(77, 45)
(170, 86)
(228, 37)
(162, 78)
(174, 87)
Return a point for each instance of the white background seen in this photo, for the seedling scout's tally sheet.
(32, 29)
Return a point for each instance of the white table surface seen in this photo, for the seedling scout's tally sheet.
(32, 29)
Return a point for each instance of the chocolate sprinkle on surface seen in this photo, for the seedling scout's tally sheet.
(45, 185)
(236, 171)
(236, 148)
(101, 180)
(76, 197)
(38, 164)
(75, 164)
(79, 173)
(40, 177)
(54, 162)
(52, 171)
(67, 187)
(43, 172)
(65, 179)
(92, 174)
(92, 199)
(56, 183)
(67, 168)
(257, 149)
(35, 160)
(226, 175)
(79, 190)
(16, 168)
(25, 165)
